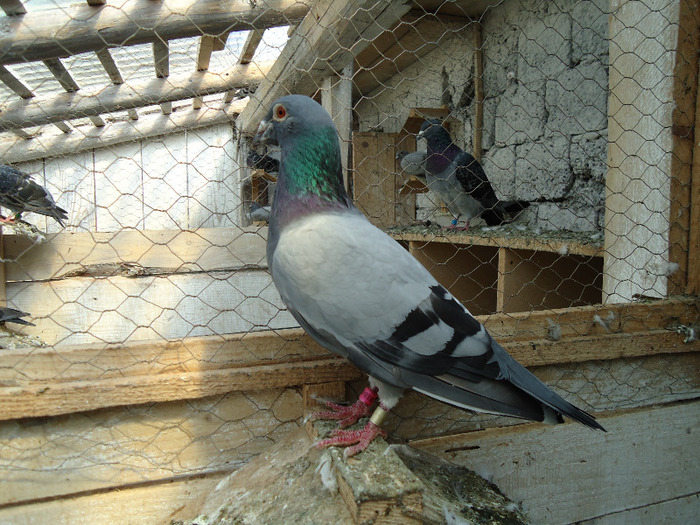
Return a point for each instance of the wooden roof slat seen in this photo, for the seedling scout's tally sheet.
(110, 66)
(250, 46)
(206, 47)
(166, 108)
(14, 83)
(133, 114)
(13, 7)
(84, 28)
(300, 67)
(156, 124)
(59, 71)
(97, 121)
(96, 2)
(67, 106)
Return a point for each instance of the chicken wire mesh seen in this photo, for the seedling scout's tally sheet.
(569, 106)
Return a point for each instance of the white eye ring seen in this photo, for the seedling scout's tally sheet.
(279, 112)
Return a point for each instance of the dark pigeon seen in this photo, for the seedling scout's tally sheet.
(460, 182)
(20, 193)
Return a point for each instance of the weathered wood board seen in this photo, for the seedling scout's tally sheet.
(566, 473)
(42, 458)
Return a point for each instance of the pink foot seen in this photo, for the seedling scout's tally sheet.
(360, 439)
(346, 415)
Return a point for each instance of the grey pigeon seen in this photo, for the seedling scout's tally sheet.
(20, 193)
(459, 181)
(10, 315)
(359, 293)
(412, 163)
(259, 213)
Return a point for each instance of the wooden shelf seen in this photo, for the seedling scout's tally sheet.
(508, 270)
(564, 243)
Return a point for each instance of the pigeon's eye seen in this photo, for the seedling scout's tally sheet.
(280, 112)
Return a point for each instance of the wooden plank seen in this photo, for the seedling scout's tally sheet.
(694, 226)
(206, 46)
(59, 71)
(78, 29)
(114, 448)
(324, 42)
(144, 503)
(534, 462)
(38, 400)
(97, 121)
(685, 96)
(374, 184)
(684, 509)
(557, 242)
(66, 106)
(146, 127)
(13, 7)
(478, 92)
(110, 66)
(336, 98)
(123, 308)
(65, 128)
(251, 45)
(15, 84)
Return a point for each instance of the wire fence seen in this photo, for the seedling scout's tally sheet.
(160, 268)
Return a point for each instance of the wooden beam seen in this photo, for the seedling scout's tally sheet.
(69, 397)
(65, 128)
(14, 83)
(336, 97)
(97, 121)
(557, 242)
(161, 58)
(250, 46)
(115, 133)
(478, 92)
(67, 106)
(59, 71)
(78, 29)
(110, 66)
(694, 226)
(13, 7)
(96, 2)
(206, 47)
(324, 43)
(74, 254)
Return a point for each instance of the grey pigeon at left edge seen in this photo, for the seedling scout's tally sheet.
(10, 315)
(20, 193)
(459, 181)
(360, 294)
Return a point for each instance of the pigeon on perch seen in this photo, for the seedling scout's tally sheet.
(10, 315)
(20, 193)
(459, 181)
(258, 213)
(360, 294)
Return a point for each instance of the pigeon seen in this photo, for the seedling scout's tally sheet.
(266, 163)
(360, 294)
(459, 181)
(259, 213)
(20, 193)
(10, 315)
(412, 163)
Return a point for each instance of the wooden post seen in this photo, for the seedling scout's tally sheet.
(336, 97)
(478, 92)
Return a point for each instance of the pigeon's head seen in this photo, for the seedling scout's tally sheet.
(431, 128)
(289, 118)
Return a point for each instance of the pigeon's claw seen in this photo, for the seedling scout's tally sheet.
(359, 439)
(8, 220)
(345, 415)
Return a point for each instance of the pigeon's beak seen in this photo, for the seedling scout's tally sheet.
(265, 134)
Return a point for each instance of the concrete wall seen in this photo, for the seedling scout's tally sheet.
(545, 109)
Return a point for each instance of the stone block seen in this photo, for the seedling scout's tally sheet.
(589, 153)
(542, 170)
(520, 115)
(544, 48)
(577, 100)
